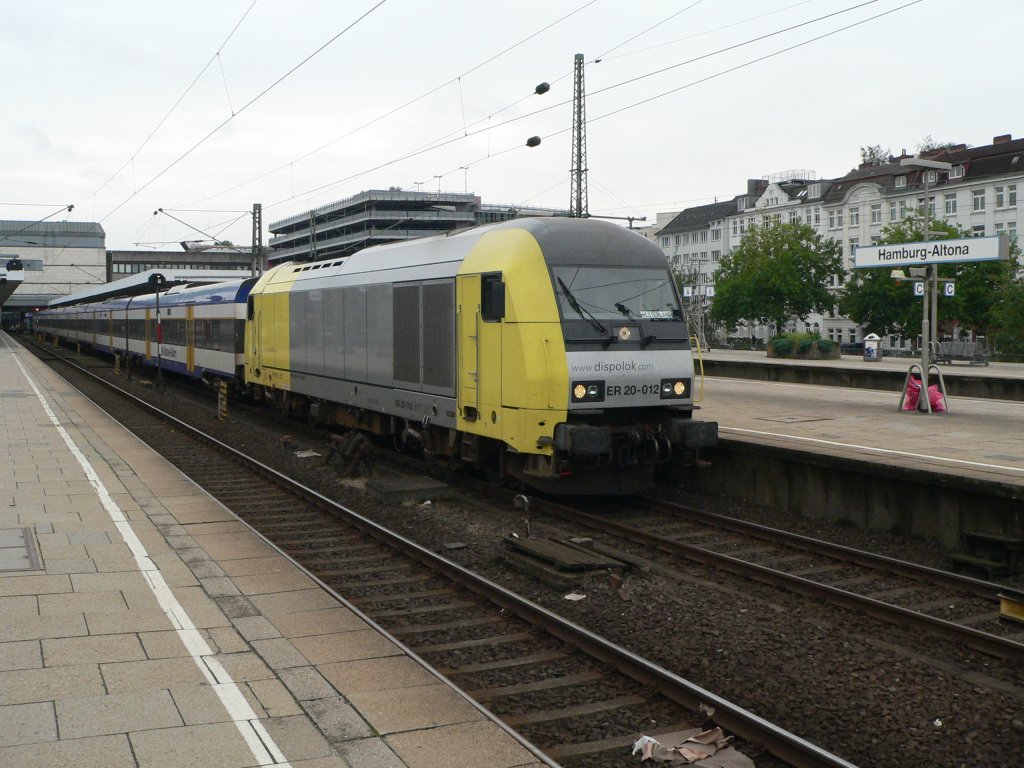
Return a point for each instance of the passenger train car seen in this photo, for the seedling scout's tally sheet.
(550, 350)
(200, 333)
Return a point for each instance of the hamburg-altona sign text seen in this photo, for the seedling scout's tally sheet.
(933, 252)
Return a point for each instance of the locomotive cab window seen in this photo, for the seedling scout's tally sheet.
(615, 293)
(492, 297)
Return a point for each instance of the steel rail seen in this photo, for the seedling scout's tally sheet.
(993, 645)
(737, 720)
(979, 587)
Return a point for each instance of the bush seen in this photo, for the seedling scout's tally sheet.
(825, 346)
(804, 346)
(782, 346)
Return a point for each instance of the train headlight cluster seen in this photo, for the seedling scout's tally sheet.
(588, 391)
(674, 389)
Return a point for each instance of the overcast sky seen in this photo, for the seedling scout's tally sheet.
(86, 84)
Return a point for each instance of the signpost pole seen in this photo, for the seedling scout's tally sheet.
(923, 403)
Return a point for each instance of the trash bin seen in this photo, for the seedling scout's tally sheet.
(873, 347)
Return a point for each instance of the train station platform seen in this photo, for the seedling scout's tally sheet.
(143, 625)
(844, 452)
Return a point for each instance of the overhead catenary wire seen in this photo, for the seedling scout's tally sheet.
(490, 154)
(244, 107)
(174, 106)
(389, 113)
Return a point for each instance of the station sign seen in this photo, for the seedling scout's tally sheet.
(993, 248)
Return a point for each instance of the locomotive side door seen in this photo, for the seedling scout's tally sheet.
(467, 294)
(481, 307)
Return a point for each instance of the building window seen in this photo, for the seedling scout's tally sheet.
(814, 190)
(831, 219)
(978, 231)
(794, 217)
(677, 241)
(892, 211)
(716, 234)
(716, 256)
(1000, 198)
(979, 199)
(903, 209)
(931, 176)
(664, 242)
(1011, 192)
(957, 172)
(901, 181)
(951, 204)
(876, 213)
(1011, 230)
(854, 217)
(876, 239)
(854, 242)
(734, 227)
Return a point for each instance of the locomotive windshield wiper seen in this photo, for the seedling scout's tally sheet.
(581, 310)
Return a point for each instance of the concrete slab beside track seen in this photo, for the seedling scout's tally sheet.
(842, 451)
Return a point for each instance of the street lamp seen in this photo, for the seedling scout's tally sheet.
(928, 322)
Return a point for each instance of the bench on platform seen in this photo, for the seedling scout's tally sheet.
(971, 352)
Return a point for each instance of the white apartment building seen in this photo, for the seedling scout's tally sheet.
(982, 194)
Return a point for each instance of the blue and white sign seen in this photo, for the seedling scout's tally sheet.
(949, 289)
(993, 248)
(919, 289)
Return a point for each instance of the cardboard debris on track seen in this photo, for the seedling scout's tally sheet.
(704, 749)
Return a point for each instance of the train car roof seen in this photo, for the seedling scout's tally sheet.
(230, 292)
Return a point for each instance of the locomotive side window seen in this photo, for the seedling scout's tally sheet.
(492, 297)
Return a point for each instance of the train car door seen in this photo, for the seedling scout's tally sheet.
(149, 352)
(110, 330)
(190, 339)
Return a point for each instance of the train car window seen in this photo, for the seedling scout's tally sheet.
(492, 297)
(250, 310)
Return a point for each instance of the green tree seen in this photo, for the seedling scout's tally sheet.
(1008, 318)
(778, 271)
(875, 155)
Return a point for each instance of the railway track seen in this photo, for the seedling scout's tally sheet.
(956, 607)
(577, 696)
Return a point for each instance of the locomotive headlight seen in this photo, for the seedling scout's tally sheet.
(674, 389)
(588, 391)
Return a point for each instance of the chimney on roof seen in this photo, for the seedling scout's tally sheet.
(1006, 137)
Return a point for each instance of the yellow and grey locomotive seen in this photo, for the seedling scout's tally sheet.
(549, 350)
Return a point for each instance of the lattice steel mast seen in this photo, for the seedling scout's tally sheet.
(578, 206)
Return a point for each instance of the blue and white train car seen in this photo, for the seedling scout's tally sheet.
(201, 329)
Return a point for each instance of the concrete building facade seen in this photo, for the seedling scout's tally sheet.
(981, 193)
(379, 216)
(57, 258)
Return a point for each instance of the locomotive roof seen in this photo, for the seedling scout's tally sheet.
(562, 241)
